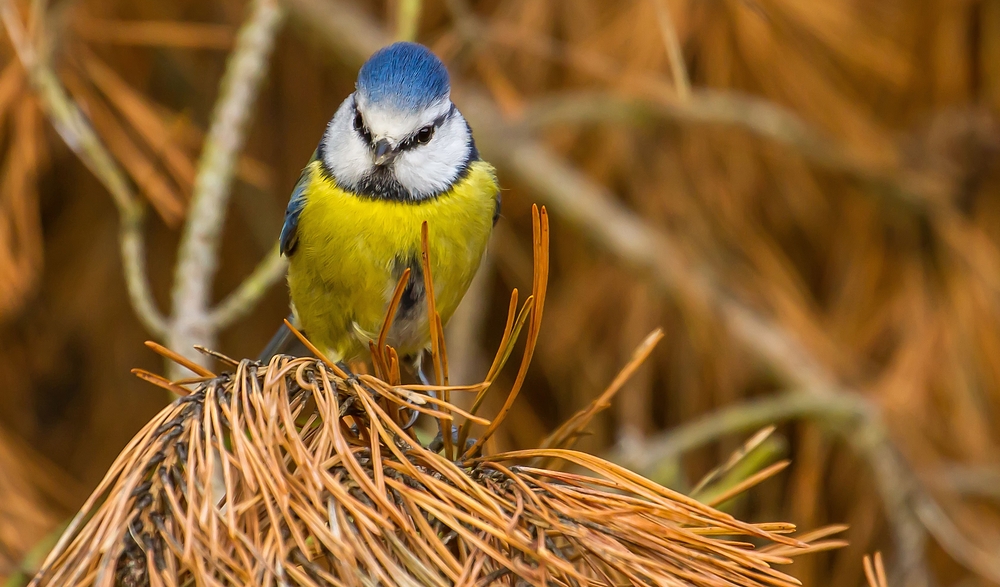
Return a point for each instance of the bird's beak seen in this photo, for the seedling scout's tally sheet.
(384, 153)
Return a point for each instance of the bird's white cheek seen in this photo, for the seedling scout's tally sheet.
(346, 155)
(431, 168)
(349, 159)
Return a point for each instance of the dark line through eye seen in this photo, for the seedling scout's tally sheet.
(415, 139)
(359, 125)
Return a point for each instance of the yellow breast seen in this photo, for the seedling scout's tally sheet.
(351, 250)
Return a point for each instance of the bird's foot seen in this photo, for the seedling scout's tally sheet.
(438, 443)
(413, 419)
(351, 376)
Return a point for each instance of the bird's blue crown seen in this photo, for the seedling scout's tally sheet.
(405, 76)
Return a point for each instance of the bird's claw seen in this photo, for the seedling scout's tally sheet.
(412, 420)
(351, 376)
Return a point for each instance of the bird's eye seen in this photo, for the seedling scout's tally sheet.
(359, 123)
(424, 135)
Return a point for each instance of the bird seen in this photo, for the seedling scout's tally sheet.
(397, 153)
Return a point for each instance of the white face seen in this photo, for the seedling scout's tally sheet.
(421, 168)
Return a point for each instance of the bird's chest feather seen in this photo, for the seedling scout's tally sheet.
(352, 251)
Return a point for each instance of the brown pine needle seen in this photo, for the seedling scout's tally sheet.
(138, 161)
(443, 350)
(412, 398)
(512, 318)
(217, 356)
(161, 382)
(395, 377)
(565, 435)
(540, 232)
(738, 455)
(315, 351)
(143, 118)
(812, 536)
(378, 361)
(511, 333)
(172, 356)
(339, 499)
(292, 473)
(425, 261)
(438, 352)
(751, 481)
(390, 314)
(156, 33)
(875, 574)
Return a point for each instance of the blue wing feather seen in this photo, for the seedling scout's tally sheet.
(289, 230)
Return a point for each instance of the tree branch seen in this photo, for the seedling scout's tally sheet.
(759, 117)
(407, 19)
(919, 193)
(856, 419)
(743, 417)
(239, 303)
(79, 135)
(198, 255)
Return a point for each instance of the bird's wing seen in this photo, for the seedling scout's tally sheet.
(289, 230)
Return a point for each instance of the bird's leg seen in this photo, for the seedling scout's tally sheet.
(417, 364)
(351, 377)
(438, 443)
(413, 419)
(414, 363)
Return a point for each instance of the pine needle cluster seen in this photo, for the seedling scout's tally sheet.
(297, 472)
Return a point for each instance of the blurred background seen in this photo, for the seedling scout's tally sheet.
(804, 195)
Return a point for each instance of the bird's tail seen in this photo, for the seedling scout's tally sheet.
(283, 342)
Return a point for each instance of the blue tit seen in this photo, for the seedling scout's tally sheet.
(397, 153)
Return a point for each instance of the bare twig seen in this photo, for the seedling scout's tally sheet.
(133, 250)
(198, 255)
(984, 561)
(76, 131)
(759, 117)
(846, 413)
(407, 19)
(970, 481)
(241, 301)
(742, 417)
(198, 258)
(897, 186)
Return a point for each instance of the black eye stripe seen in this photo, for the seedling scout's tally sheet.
(409, 142)
(414, 139)
(359, 126)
